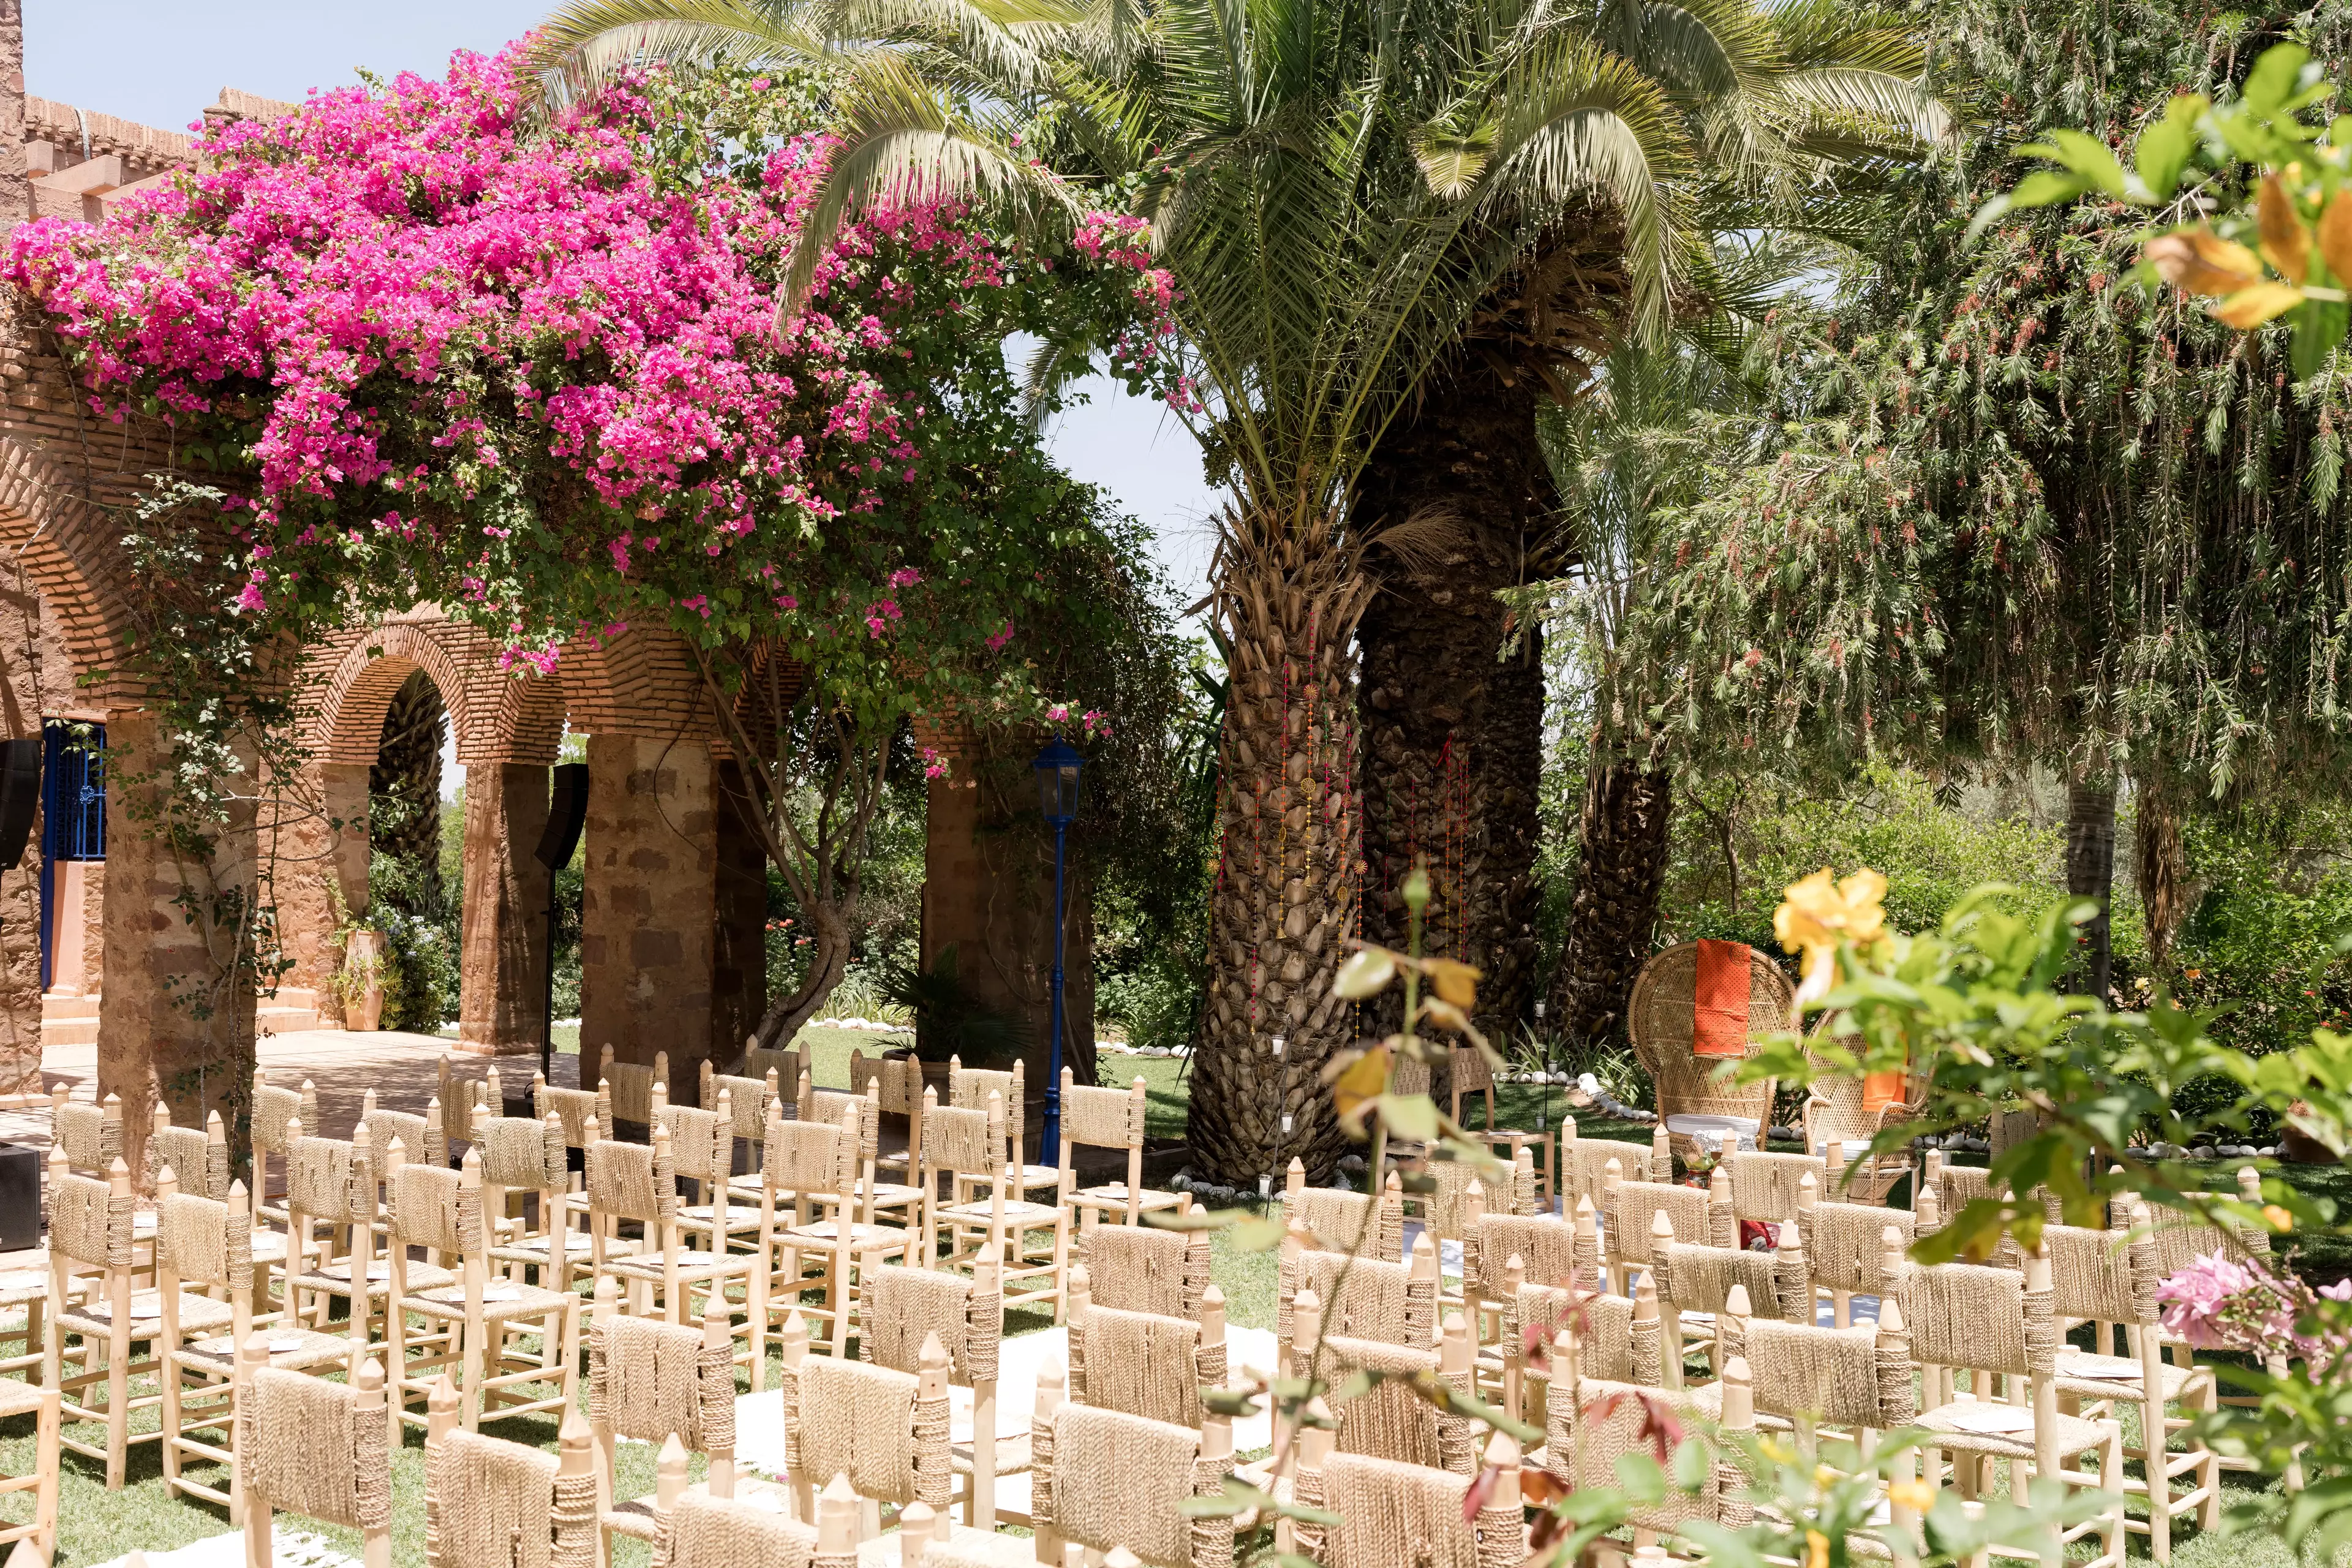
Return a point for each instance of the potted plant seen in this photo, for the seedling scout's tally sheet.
(358, 983)
(950, 1021)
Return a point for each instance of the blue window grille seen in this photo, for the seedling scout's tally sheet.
(73, 811)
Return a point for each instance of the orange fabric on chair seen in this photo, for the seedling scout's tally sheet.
(1719, 1000)
(1881, 1089)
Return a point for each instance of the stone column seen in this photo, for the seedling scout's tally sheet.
(988, 889)
(502, 990)
(649, 907)
(176, 1016)
(739, 954)
(320, 835)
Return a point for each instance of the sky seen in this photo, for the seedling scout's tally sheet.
(161, 62)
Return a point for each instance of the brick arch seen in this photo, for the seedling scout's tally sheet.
(496, 715)
(350, 725)
(73, 555)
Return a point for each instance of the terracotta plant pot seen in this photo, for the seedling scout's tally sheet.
(364, 955)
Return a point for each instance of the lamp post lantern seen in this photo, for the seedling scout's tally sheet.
(1057, 768)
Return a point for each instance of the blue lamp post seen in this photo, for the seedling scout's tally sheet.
(1057, 797)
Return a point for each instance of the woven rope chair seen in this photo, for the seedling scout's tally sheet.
(475, 1330)
(651, 1382)
(968, 1088)
(1619, 1340)
(1362, 1298)
(1102, 1478)
(1547, 1286)
(198, 1157)
(808, 1219)
(964, 1149)
(1146, 1364)
(1696, 1282)
(1845, 1250)
(2003, 1321)
(633, 1090)
(1583, 1165)
(1764, 1186)
(275, 1112)
(44, 1405)
(91, 1224)
(1392, 1513)
(698, 1531)
(1659, 1021)
(1471, 1073)
(489, 1503)
(209, 1246)
(421, 1136)
(1807, 1377)
(1339, 1221)
(2179, 1241)
(901, 1310)
(89, 1132)
(464, 1101)
(887, 1430)
(520, 1153)
(637, 1183)
(1628, 1211)
(1142, 1269)
(748, 1096)
(702, 1150)
(1391, 1420)
(895, 1083)
(2104, 1277)
(1109, 1118)
(332, 1181)
(313, 1447)
(1591, 1421)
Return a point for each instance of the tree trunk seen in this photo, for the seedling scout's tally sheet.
(408, 771)
(1288, 847)
(2091, 872)
(786, 1015)
(2162, 869)
(1621, 870)
(1452, 753)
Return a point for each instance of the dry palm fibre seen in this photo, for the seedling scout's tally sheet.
(490, 1504)
(903, 1306)
(1121, 1480)
(704, 1532)
(649, 1379)
(306, 1449)
(1144, 1269)
(1361, 1298)
(1144, 1364)
(860, 1421)
(1395, 1515)
(1388, 1420)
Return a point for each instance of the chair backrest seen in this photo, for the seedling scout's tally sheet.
(887, 1430)
(435, 1207)
(464, 1101)
(1765, 1186)
(899, 1308)
(1633, 1207)
(747, 1099)
(313, 1447)
(704, 1532)
(91, 1219)
(491, 1503)
(420, 1136)
(1394, 1513)
(702, 1141)
(632, 1181)
(963, 1142)
(574, 1108)
(197, 1156)
(787, 1065)
(650, 1380)
(1845, 1244)
(1103, 1118)
(205, 1243)
(274, 1109)
(634, 1086)
(2179, 1240)
(1860, 1376)
(1391, 1419)
(968, 1088)
(811, 1159)
(1104, 1478)
(1591, 1423)
(899, 1079)
(1693, 1278)
(1984, 1319)
(1145, 1268)
(1362, 1298)
(1662, 1026)
(521, 1153)
(1459, 1194)
(1342, 1221)
(2105, 1276)
(1615, 1337)
(1584, 1163)
(1550, 1252)
(329, 1179)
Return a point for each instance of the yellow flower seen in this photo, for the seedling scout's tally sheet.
(2280, 1219)
(1819, 912)
(1917, 1496)
(1817, 1550)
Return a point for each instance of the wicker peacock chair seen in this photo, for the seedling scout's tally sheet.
(1659, 1020)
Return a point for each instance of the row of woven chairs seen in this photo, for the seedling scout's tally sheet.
(1614, 1297)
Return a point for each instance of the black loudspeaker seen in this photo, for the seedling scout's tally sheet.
(567, 812)
(20, 1197)
(20, 797)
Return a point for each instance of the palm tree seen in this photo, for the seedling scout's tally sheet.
(1790, 107)
(1335, 185)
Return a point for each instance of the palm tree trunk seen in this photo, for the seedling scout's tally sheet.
(1622, 850)
(1289, 846)
(408, 769)
(2091, 871)
(1453, 735)
(2162, 869)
